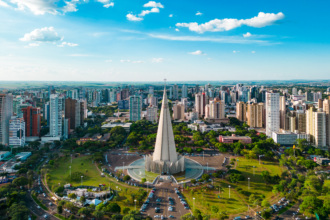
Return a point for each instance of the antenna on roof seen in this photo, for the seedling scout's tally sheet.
(165, 83)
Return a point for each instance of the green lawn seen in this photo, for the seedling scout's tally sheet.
(238, 203)
(60, 175)
(257, 184)
(39, 203)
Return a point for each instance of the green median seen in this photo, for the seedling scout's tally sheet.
(286, 208)
(39, 203)
(61, 217)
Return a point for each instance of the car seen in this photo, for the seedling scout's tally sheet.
(237, 218)
(277, 218)
(162, 217)
(50, 203)
(38, 207)
(156, 216)
(170, 198)
(186, 207)
(157, 203)
(280, 207)
(247, 217)
(171, 216)
(158, 200)
(45, 216)
(294, 213)
(279, 202)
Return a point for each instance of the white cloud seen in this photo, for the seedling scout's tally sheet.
(132, 17)
(158, 60)
(111, 4)
(170, 15)
(262, 20)
(125, 61)
(233, 40)
(235, 51)
(42, 35)
(103, 1)
(176, 29)
(253, 52)
(68, 44)
(33, 45)
(3, 4)
(11, 55)
(137, 61)
(108, 61)
(248, 34)
(145, 12)
(197, 52)
(198, 13)
(153, 4)
(209, 58)
(40, 7)
(79, 55)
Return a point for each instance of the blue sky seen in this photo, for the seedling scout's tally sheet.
(111, 40)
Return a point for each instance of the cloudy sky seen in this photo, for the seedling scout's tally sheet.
(135, 40)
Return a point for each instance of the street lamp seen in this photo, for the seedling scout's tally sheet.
(207, 167)
(229, 192)
(194, 202)
(135, 203)
(81, 180)
(123, 166)
(203, 155)
(70, 172)
(253, 170)
(249, 183)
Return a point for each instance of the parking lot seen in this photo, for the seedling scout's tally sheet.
(162, 193)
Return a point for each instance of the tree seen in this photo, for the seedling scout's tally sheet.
(214, 209)
(112, 207)
(22, 171)
(205, 176)
(266, 214)
(98, 214)
(265, 203)
(223, 216)
(127, 177)
(83, 211)
(82, 199)
(266, 176)
(59, 209)
(143, 180)
(21, 181)
(126, 210)
(228, 167)
(18, 212)
(310, 204)
(193, 181)
(252, 198)
(72, 196)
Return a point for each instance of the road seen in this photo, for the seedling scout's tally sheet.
(163, 191)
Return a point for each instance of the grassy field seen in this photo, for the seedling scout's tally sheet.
(60, 175)
(238, 203)
(257, 184)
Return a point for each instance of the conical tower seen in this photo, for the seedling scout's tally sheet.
(165, 145)
(165, 160)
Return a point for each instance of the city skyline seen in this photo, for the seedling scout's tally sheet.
(150, 40)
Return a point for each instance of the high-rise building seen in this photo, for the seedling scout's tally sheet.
(200, 104)
(320, 103)
(51, 90)
(197, 88)
(135, 107)
(66, 128)
(152, 113)
(73, 111)
(241, 111)
(217, 109)
(233, 97)
(282, 112)
(151, 90)
(272, 113)
(294, 91)
(123, 104)
(255, 115)
(32, 118)
(171, 93)
(56, 113)
(178, 112)
(309, 97)
(175, 91)
(16, 131)
(301, 122)
(19, 108)
(184, 91)
(319, 128)
(124, 93)
(6, 111)
(326, 109)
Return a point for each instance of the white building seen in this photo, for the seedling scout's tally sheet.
(319, 128)
(184, 91)
(135, 108)
(294, 91)
(151, 90)
(272, 113)
(152, 112)
(56, 113)
(175, 91)
(16, 131)
(6, 111)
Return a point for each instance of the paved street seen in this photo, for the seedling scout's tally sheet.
(162, 192)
